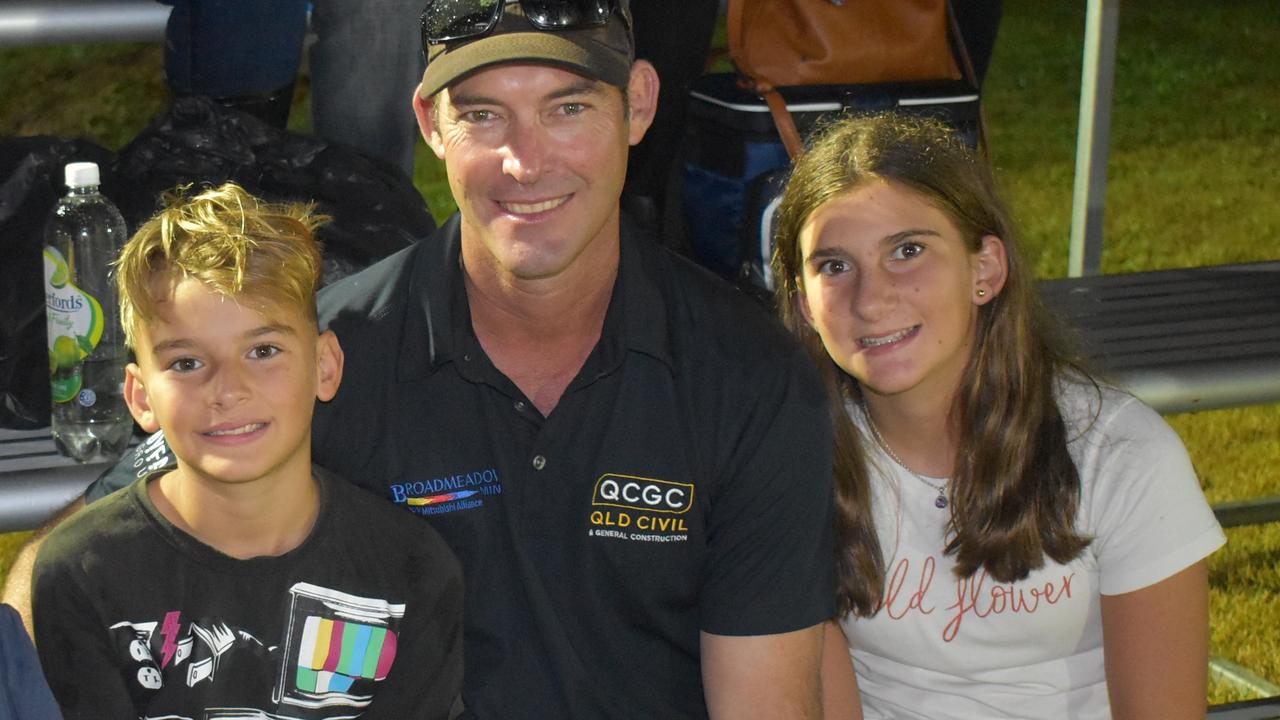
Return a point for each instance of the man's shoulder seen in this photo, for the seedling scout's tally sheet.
(709, 315)
(369, 293)
(383, 286)
(384, 523)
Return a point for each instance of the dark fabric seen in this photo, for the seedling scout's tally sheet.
(24, 694)
(675, 37)
(582, 605)
(583, 602)
(376, 210)
(233, 48)
(135, 616)
(979, 22)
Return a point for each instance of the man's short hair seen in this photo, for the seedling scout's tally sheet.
(231, 241)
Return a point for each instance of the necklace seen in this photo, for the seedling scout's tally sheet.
(939, 502)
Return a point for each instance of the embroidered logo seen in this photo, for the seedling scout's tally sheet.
(463, 491)
(640, 509)
(646, 494)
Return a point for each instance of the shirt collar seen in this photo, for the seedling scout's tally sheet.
(437, 320)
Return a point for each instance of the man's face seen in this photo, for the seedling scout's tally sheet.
(536, 158)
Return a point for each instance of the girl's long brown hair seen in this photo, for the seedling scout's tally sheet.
(1014, 489)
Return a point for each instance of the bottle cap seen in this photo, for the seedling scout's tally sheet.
(82, 174)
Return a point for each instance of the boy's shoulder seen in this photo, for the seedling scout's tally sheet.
(102, 529)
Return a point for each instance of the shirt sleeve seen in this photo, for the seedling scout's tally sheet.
(147, 457)
(75, 648)
(23, 688)
(771, 561)
(1149, 517)
(425, 680)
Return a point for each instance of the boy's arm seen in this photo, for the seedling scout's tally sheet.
(149, 455)
(425, 681)
(76, 650)
(17, 585)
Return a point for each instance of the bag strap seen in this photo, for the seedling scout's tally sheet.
(966, 69)
(749, 78)
(786, 125)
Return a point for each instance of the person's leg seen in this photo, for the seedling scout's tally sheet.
(243, 53)
(675, 37)
(365, 63)
(979, 21)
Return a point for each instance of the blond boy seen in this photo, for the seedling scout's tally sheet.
(245, 582)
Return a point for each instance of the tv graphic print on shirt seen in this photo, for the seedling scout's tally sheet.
(336, 648)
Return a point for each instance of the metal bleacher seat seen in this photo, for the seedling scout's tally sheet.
(1187, 339)
(35, 481)
(1264, 709)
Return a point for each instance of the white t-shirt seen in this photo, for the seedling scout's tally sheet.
(943, 647)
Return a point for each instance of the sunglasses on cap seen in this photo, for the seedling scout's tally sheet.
(448, 20)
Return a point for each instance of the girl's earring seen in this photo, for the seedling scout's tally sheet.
(982, 292)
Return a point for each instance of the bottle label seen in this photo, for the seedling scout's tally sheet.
(74, 323)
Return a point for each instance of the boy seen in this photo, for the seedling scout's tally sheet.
(246, 582)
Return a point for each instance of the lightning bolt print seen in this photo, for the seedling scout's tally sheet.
(169, 631)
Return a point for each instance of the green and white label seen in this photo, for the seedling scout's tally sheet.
(74, 323)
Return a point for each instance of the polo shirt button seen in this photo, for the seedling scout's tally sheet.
(520, 406)
(539, 462)
(466, 357)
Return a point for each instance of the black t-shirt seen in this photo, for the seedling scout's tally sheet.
(682, 483)
(135, 618)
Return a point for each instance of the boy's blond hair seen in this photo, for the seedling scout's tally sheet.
(231, 241)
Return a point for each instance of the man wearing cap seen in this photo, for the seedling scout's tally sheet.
(630, 458)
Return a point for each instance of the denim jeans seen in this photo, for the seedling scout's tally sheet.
(365, 64)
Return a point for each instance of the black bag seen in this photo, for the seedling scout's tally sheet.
(376, 211)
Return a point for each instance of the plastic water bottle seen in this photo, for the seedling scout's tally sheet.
(87, 354)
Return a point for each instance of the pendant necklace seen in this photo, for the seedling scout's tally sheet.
(939, 502)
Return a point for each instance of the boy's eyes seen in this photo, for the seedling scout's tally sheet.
(185, 365)
(262, 352)
(257, 352)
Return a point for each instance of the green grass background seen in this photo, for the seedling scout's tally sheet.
(1193, 180)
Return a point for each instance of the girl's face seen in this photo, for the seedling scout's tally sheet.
(890, 287)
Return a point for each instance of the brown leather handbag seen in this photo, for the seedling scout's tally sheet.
(780, 43)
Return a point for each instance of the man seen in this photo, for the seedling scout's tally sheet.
(632, 462)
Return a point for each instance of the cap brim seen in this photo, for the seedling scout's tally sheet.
(582, 54)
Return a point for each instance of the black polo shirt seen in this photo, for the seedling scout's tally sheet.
(682, 483)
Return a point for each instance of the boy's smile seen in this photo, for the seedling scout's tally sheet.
(233, 385)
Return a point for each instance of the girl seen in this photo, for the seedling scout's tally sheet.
(1018, 541)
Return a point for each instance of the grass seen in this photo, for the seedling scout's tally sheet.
(1192, 181)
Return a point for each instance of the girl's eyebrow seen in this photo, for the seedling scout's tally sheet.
(907, 234)
(824, 253)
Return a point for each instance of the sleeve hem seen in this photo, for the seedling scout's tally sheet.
(774, 627)
(1153, 572)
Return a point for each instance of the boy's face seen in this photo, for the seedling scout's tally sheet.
(233, 386)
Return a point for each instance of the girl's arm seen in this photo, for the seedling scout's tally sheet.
(1156, 641)
(840, 699)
